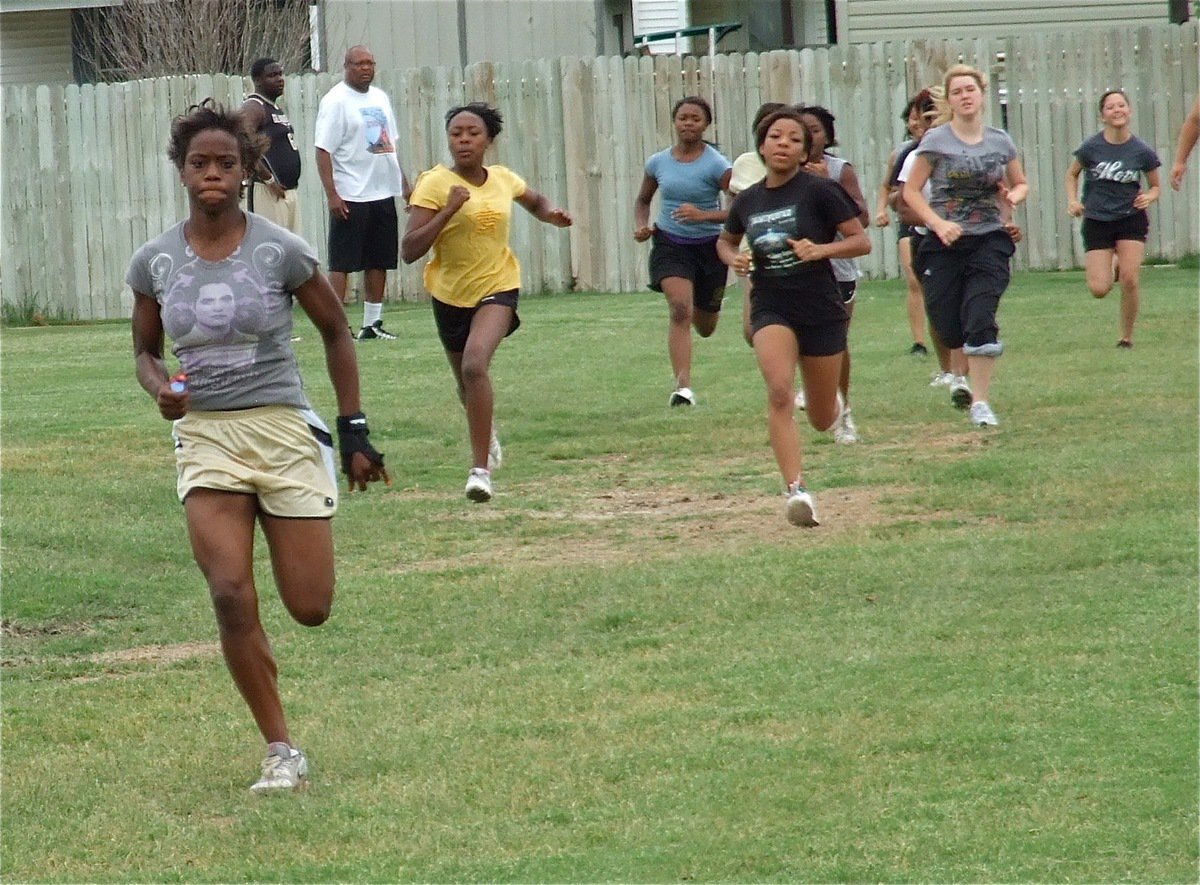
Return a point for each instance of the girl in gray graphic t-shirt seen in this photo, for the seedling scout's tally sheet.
(1115, 223)
(248, 449)
(976, 181)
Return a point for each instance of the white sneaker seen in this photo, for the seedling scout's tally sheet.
(960, 392)
(942, 379)
(479, 485)
(800, 510)
(495, 453)
(801, 402)
(683, 396)
(844, 430)
(983, 416)
(281, 772)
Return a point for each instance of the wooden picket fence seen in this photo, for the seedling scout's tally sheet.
(86, 180)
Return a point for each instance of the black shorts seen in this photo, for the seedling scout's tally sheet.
(697, 262)
(904, 231)
(847, 288)
(368, 240)
(454, 323)
(1104, 234)
(825, 337)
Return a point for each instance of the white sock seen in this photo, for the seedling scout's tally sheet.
(371, 313)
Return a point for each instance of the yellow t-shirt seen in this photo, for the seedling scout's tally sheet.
(471, 256)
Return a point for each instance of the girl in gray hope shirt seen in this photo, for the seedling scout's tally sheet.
(1114, 205)
(976, 181)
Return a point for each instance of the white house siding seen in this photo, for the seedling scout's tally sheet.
(867, 21)
(35, 47)
(419, 33)
(652, 16)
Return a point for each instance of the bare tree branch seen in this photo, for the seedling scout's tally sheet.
(158, 38)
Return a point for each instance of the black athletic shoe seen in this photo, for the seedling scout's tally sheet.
(918, 349)
(375, 330)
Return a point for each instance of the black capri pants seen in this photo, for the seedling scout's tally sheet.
(963, 284)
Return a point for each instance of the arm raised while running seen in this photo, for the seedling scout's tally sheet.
(642, 230)
(946, 231)
(424, 224)
(691, 214)
(1074, 206)
(1189, 134)
(855, 243)
(849, 182)
(1146, 197)
(1013, 190)
(148, 359)
(729, 251)
(882, 219)
(325, 310)
(542, 209)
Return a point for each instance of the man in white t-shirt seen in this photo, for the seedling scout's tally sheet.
(356, 158)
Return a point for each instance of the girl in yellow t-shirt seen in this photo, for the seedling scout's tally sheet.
(463, 212)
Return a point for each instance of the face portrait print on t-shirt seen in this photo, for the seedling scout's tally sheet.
(217, 309)
(768, 234)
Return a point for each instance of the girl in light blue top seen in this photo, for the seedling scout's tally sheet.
(683, 260)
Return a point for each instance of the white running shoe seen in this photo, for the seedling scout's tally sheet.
(683, 396)
(479, 485)
(801, 401)
(983, 416)
(942, 379)
(280, 772)
(844, 430)
(960, 392)
(800, 509)
(495, 453)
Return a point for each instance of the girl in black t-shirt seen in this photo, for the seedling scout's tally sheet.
(796, 312)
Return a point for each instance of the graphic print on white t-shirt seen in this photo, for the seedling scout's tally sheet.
(376, 131)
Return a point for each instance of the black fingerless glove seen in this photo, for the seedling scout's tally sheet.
(352, 437)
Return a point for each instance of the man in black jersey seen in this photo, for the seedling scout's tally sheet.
(272, 191)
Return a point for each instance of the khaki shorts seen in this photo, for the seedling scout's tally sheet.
(281, 454)
(285, 212)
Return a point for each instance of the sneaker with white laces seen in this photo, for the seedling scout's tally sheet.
(800, 509)
(942, 379)
(801, 400)
(983, 416)
(495, 453)
(285, 768)
(479, 485)
(960, 392)
(375, 331)
(844, 430)
(683, 396)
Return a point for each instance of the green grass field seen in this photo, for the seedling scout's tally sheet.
(628, 667)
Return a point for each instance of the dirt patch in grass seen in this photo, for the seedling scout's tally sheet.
(663, 522)
(146, 657)
(156, 654)
(10, 629)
